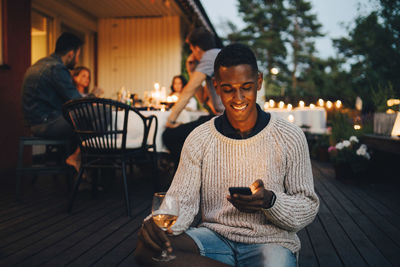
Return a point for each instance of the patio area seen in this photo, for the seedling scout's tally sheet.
(357, 225)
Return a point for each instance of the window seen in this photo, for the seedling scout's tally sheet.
(40, 34)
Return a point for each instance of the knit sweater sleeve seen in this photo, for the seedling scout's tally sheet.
(298, 205)
(187, 181)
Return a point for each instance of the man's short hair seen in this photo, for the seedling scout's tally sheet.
(202, 38)
(233, 55)
(67, 42)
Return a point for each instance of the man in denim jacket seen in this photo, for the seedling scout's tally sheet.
(47, 86)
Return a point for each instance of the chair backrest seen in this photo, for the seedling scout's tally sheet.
(101, 124)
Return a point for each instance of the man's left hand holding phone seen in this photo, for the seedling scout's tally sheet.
(260, 198)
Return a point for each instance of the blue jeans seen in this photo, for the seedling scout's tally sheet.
(215, 246)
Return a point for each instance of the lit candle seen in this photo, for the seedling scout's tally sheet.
(320, 102)
(289, 106)
(157, 86)
(301, 104)
(271, 103)
(338, 104)
(329, 104)
(174, 98)
(357, 127)
(281, 104)
(312, 106)
(291, 118)
(266, 106)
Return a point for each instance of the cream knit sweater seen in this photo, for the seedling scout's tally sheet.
(211, 163)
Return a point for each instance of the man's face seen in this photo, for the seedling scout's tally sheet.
(73, 59)
(237, 86)
(196, 51)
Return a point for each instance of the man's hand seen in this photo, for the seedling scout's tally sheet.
(97, 92)
(172, 125)
(260, 198)
(153, 237)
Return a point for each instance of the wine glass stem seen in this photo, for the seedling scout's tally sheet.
(164, 254)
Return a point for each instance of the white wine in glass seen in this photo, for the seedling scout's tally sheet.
(165, 212)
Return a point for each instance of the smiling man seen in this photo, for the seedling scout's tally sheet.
(244, 147)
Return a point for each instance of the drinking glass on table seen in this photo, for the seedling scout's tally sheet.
(165, 211)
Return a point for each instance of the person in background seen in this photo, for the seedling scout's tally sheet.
(81, 77)
(199, 65)
(243, 147)
(47, 85)
(177, 85)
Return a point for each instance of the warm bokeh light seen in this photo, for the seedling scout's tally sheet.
(390, 111)
(274, 71)
(289, 106)
(156, 86)
(174, 98)
(281, 104)
(266, 105)
(357, 127)
(271, 103)
(329, 104)
(312, 106)
(338, 104)
(392, 102)
(291, 118)
(321, 102)
(301, 104)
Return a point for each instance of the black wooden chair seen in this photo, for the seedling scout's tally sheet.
(48, 164)
(101, 125)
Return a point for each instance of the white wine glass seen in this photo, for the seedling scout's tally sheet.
(165, 212)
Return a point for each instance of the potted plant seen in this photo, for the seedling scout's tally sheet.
(350, 159)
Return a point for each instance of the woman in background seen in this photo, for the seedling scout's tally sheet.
(81, 77)
(177, 85)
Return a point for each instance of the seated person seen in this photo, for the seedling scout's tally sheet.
(81, 77)
(177, 85)
(47, 85)
(243, 147)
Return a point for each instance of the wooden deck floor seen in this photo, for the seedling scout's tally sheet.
(357, 225)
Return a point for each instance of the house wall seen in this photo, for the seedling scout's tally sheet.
(137, 52)
(63, 13)
(17, 42)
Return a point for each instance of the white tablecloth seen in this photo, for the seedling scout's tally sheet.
(315, 118)
(135, 126)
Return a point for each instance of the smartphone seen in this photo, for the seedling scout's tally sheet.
(240, 190)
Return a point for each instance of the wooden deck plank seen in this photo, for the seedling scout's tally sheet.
(365, 246)
(25, 248)
(371, 226)
(75, 238)
(97, 252)
(342, 243)
(126, 247)
(307, 256)
(357, 225)
(33, 225)
(322, 245)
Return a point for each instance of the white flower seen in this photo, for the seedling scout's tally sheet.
(339, 146)
(353, 139)
(346, 143)
(362, 151)
(363, 146)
